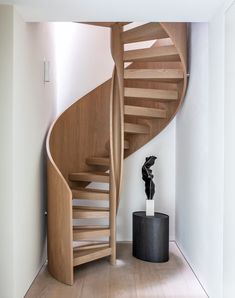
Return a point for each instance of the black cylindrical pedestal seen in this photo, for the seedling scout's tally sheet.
(151, 237)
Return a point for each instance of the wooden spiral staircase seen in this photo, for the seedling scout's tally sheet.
(90, 140)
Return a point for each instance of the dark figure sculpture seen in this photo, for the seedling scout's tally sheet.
(147, 176)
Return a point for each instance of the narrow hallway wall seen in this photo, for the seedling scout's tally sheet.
(229, 157)
(33, 111)
(192, 208)
(28, 106)
(6, 154)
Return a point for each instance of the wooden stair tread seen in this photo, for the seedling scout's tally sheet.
(90, 177)
(126, 145)
(90, 245)
(151, 93)
(90, 227)
(91, 208)
(81, 257)
(99, 161)
(82, 233)
(154, 74)
(92, 194)
(136, 128)
(90, 212)
(156, 54)
(144, 32)
(144, 112)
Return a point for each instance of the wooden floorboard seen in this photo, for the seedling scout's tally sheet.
(130, 278)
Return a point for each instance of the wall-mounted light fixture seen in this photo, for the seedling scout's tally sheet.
(46, 71)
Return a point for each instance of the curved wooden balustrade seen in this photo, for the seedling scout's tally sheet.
(89, 141)
(80, 132)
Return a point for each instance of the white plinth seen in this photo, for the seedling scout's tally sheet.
(149, 207)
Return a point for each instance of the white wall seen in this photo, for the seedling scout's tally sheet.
(34, 110)
(218, 257)
(199, 176)
(216, 154)
(83, 60)
(229, 157)
(192, 158)
(6, 158)
(27, 108)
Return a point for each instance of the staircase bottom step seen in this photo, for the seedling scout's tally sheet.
(84, 233)
(85, 256)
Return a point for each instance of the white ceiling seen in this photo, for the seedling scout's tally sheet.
(117, 10)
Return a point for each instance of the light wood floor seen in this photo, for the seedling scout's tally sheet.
(129, 279)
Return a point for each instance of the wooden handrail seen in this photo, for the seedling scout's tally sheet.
(59, 227)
